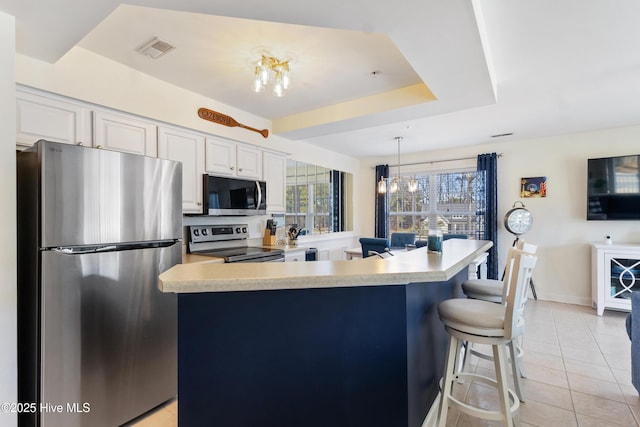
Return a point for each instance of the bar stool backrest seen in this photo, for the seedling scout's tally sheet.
(517, 275)
(523, 246)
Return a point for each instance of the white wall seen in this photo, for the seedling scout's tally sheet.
(8, 335)
(560, 227)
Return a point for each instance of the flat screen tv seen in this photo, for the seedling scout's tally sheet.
(613, 190)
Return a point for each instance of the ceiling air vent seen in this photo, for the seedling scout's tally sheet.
(155, 48)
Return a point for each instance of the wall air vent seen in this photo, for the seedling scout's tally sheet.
(155, 48)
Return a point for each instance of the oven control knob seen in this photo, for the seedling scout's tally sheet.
(196, 232)
(204, 232)
(237, 230)
(244, 229)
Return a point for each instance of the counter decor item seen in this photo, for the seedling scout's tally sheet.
(518, 220)
(223, 119)
(434, 241)
(293, 234)
(270, 238)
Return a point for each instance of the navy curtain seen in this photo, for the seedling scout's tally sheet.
(488, 164)
(337, 182)
(382, 205)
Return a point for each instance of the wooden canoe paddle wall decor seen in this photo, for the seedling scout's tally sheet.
(223, 119)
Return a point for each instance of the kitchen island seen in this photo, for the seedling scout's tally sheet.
(325, 343)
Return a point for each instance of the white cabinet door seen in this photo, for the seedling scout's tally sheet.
(188, 148)
(249, 162)
(227, 158)
(126, 134)
(220, 157)
(295, 256)
(39, 117)
(274, 174)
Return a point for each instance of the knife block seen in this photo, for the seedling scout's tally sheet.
(268, 239)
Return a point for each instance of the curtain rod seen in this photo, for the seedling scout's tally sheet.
(437, 161)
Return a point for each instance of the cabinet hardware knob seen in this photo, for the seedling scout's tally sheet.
(199, 203)
(79, 143)
(240, 170)
(232, 168)
(99, 147)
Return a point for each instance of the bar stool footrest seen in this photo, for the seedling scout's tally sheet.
(475, 411)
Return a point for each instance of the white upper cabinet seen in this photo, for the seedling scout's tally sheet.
(188, 148)
(39, 117)
(227, 158)
(274, 174)
(249, 160)
(220, 157)
(126, 134)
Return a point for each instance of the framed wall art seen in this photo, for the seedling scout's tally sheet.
(533, 187)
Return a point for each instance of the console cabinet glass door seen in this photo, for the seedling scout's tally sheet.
(622, 277)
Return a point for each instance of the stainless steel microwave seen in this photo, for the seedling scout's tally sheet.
(234, 196)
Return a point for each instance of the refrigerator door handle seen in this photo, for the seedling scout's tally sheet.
(85, 250)
(80, 250)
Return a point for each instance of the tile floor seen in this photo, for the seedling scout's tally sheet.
(578, 369)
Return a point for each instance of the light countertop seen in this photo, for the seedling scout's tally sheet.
(409, 267)
(194, 258)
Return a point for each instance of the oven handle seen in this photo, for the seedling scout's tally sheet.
(271, 258)
(259, 195)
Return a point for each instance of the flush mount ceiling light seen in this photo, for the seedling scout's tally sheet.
(395, 183)
(270, 69)
(155, 48)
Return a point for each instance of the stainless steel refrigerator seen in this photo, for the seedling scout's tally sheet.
(97, 340)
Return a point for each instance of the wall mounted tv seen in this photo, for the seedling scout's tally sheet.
(613, 189)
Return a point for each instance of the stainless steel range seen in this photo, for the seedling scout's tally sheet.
(229, 242)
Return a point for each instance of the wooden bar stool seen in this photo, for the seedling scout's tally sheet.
(483, 322)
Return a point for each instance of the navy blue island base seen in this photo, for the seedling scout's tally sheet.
(326, 357)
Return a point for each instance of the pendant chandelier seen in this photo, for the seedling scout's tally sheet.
(397, 181)
(270, 69)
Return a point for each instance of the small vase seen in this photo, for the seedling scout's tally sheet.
(434, 241)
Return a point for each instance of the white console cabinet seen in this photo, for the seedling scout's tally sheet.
(615, 274)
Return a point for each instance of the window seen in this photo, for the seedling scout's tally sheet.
(318, 198)
(450, 199)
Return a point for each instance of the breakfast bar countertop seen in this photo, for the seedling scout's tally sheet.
(408, 267)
